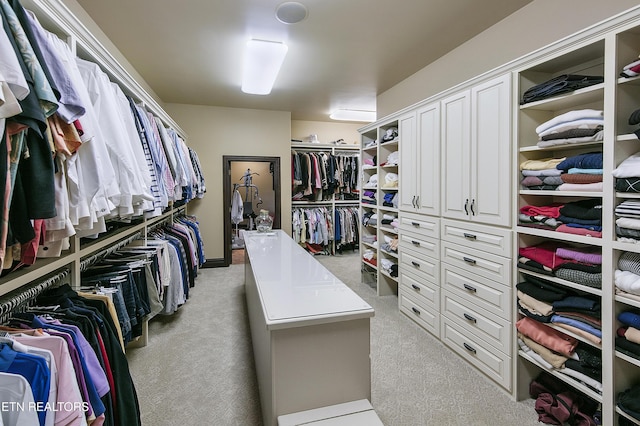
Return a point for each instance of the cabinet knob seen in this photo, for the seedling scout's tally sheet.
(416, 264)
(415, 287)
(470, 318)
(470, 236)
(470, 288)
(416, 311)
(469, 260)
(469, 348)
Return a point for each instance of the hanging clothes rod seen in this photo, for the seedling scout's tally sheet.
(85, 263)
(20, 298)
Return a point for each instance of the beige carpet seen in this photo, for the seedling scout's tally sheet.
(198, 366)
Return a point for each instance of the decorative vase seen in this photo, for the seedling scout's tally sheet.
(264, 222)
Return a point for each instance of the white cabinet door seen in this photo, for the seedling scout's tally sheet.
(408, 162)
(491, 152)
(455, 145)
(428, 159)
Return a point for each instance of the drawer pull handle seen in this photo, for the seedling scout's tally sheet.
(470, 236)
(469, 260)
(470, 318)
(416, 264)
(470, 348)
(416, 311)
(416, 224)
(416, 243)
(470, 288)
(415, 287)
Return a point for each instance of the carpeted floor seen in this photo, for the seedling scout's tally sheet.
(198, 366)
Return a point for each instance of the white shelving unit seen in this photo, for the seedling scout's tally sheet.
(376, 149)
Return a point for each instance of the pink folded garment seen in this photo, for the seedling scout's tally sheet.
(552, 210)
(579, 231)
(581, 187)
(547, 336)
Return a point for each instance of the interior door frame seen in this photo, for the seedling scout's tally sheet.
(226, 195)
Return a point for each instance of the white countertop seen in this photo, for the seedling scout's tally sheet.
(294, 287)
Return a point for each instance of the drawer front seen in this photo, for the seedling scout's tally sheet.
(495, 364)
(427, 226)
(492, 296)
(496, 268)
(425, 317)
(424, 267)
(424, 292)
(485, 238)
(426, 246)
(490, 328)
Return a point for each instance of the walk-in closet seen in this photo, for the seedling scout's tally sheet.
(413, 214)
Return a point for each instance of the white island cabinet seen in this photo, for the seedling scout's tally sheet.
(310, 332)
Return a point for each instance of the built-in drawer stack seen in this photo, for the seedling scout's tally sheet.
(475, 296)
(419, 290)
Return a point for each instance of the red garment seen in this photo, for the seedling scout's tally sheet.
(545, 254)
(30, 249)
(559, 409)
(552, 210)
(547, 336)
(579, 231)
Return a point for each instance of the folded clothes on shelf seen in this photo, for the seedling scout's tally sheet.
(559, 85)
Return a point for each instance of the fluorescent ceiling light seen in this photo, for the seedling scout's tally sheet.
(353, 115)
(262, 61)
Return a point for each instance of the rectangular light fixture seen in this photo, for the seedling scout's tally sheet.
(262, 62)
(353, 115)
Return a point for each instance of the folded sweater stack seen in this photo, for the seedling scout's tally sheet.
(582, 217)
(579, 265)
(628, 334)
(582, 172)
(627, 174)
(628, 221)
(579, 126)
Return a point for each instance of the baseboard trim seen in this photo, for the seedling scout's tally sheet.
(214, 263)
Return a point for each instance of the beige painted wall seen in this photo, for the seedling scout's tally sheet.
(536, 25)
(327, 131)
(218, 131)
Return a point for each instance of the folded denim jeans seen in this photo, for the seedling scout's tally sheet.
(561, 84)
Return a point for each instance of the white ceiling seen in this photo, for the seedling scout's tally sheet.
(342, 56)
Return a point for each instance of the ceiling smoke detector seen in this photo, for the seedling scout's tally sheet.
(291, 12)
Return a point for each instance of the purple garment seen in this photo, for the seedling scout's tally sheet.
(77, 365)
(580, 256)
(94, 368)
(70, 106)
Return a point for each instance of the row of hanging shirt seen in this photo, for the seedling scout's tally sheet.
(78, 150)
(62, 361)
(317, 228)
(320, 176)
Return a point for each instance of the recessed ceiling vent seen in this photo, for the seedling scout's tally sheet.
(291, 12)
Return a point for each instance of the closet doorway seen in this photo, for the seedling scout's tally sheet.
(250, 184)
